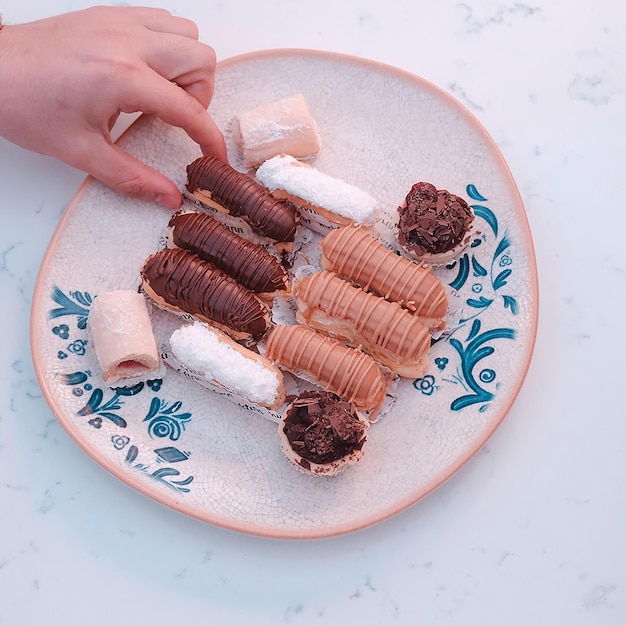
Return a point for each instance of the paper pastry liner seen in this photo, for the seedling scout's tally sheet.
(330, 468)
(206, 355)
(274, 415)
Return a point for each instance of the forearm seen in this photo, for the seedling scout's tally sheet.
(19, 98)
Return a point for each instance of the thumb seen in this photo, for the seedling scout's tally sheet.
(114, 167)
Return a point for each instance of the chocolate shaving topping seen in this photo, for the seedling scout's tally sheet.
(433, 220)
(322, 428)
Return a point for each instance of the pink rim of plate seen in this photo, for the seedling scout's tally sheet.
(423, 490)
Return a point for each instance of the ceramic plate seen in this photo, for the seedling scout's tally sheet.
(199, 453)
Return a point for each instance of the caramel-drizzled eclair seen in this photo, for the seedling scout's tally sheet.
(353, 253)
(216, 184)
(353, 375)
(181, 281)
(248, 263)
(381, 328)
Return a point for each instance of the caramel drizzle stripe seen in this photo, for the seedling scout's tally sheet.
(393, 277)
(381, 323)
(353, 243)
(312, 362)
(351, 379)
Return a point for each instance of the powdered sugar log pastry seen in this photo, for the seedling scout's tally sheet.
(434, 225)
(214, 357)
(354, 376)
(381, 328)
(248, 263)
(325, 202)
(215, 184)
(357, 256)
(285, 125)
(322, 434)
(123, 340)
(182, 282)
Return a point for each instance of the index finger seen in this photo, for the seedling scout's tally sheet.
(176, 107)
(188, 63)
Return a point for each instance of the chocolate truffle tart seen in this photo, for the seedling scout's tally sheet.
(322, 434)
(434, 225)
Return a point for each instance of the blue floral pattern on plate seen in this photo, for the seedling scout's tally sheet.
(107, 404)
(481, 278)
(475, 276)
(200, 454)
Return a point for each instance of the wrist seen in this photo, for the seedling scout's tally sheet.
(8, 87)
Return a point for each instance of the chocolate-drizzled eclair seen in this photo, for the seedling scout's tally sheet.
(216, 184)
(181, 281)
(248, 263)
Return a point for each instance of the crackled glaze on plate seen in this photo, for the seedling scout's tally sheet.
(199, 453)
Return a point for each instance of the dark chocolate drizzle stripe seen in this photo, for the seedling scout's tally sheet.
(243, 196)
(188, 283)
(248, 263)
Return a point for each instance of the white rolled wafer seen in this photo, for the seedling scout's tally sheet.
(122, 336)
(285, 125)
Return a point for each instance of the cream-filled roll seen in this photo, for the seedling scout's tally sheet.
(122, 336)
(284, 125)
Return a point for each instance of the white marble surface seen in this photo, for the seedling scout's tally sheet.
(531, 531)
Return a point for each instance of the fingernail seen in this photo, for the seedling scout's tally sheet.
(169, 201)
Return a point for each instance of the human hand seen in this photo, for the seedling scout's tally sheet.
(65, 80)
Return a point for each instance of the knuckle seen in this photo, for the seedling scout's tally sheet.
(195, 106)
(191, 27)
(133, 186)
(210, 58)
